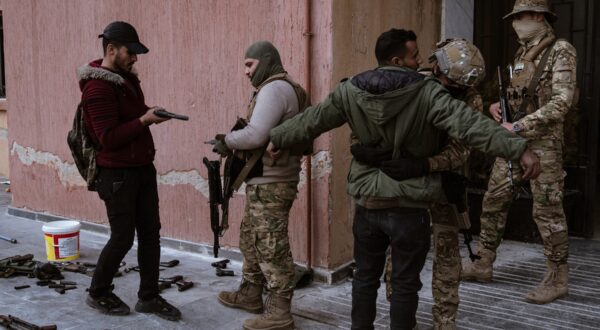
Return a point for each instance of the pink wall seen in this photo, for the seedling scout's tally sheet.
(195, 68)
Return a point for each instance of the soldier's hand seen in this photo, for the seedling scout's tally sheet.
(150, 118)
(495, 111)
(531, 165)
(273, 152)
(221, 148)
(508, 126)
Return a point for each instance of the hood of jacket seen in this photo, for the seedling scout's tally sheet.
(385, 92)
(95, 70)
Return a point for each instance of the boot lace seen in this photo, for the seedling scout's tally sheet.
(268, 308)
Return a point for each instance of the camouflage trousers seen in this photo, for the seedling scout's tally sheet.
(547, 191)
(264, 239)
(446, 266)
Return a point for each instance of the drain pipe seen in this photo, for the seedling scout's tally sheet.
(307, 85)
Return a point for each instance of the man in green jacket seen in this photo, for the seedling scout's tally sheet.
(395, 107)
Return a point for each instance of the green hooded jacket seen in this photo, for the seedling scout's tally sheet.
(410, 118)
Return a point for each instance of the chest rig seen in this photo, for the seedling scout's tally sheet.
(257, 158)
(522, 94)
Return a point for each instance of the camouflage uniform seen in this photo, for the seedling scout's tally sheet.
(447, 261)
(271, 187)
(264, 236)
(543, 128)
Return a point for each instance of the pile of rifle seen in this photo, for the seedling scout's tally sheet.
(86, 268)
(13, 322)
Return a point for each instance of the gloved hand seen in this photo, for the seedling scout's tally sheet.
(405, 168)
(370, 155)
(220, 146)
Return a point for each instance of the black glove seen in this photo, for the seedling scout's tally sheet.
(370, 155)
(405, 168)
(220, 146)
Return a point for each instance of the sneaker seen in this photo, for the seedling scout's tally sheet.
(108, 304)
(160, 307)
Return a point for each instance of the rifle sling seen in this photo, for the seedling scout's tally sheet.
(256, 155)
(533, 84)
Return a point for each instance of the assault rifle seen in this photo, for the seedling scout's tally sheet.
(237, 168)
(215, 199)
(454, 186)
(13, 322)
(504, 107)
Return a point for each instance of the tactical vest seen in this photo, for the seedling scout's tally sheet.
(299, 149)
(521, 102)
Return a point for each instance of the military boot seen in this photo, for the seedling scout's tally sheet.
(248, 297)
(449, 325)
(555, 285)
(481, 269)
(277, 315)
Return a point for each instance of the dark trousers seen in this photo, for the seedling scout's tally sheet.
(407, 231)
(131, 199)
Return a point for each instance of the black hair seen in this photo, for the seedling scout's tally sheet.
(392, 43)
(106, 42)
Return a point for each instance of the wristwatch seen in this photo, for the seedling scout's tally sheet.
(517, 128)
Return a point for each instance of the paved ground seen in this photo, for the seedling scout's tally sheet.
(494, 306)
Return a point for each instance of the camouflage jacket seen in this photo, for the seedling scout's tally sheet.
(555, 91)
(454, 155)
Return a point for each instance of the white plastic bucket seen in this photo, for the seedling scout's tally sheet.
(62, 240)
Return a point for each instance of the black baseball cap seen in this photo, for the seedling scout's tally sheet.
(124, 33)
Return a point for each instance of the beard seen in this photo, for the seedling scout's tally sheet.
(123, 63)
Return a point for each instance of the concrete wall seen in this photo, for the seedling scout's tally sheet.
(4, 160)
(356, 26)
(458, 19)
(195, 67)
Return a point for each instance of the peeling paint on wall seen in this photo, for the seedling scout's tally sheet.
(192, 178)
(69, 175)
(321, 167)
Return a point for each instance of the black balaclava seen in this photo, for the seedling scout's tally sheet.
(269, 61)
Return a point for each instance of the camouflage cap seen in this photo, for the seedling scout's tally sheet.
(460, 61)
(538, 6)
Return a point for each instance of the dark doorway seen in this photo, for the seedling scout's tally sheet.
(497, 41)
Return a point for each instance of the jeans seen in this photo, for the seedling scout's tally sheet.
(407, 231)
(131, 199)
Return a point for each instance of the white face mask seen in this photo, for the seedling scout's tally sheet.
(527, 29)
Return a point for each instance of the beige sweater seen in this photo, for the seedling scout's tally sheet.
(275, 103)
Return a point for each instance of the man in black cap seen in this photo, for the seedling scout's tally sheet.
(117, 120)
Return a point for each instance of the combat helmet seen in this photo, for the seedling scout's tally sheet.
(538, 6)
(460, 61)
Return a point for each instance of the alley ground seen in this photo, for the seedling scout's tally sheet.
(498, 305)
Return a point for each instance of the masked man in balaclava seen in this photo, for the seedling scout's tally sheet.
(270, 191)
(541, 92)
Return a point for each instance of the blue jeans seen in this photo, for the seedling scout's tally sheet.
(407, 231)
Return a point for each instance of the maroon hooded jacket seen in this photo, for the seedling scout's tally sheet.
(113, 103)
